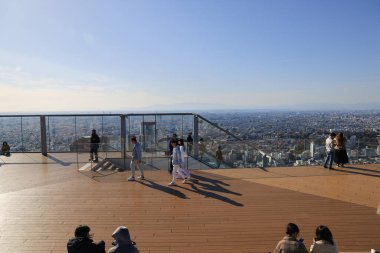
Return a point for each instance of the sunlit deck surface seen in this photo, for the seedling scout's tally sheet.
(226, 210)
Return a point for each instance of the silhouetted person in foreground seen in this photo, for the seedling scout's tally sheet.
(290, 243)
(82, 242)
(94, 146)
(5, 149)
(123, 242)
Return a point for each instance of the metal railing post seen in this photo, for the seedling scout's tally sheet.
(196, 135)
(123, 133)
(43, 135)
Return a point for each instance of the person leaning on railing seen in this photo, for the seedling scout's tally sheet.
(94, 146)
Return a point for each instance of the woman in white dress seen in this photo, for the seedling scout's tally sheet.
(183, 172)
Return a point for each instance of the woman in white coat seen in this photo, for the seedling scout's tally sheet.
(323, 242)
(183, 172)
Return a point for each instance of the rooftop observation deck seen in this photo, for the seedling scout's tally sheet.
(43, 199)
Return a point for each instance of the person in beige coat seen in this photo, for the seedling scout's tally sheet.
(323, 242)
(290, 243)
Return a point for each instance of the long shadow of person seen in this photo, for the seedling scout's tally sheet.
(212, 184)
(168, 190)
(358, 171)
(209, 194)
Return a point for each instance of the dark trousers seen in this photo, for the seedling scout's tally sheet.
(170, 169)
(94, 151)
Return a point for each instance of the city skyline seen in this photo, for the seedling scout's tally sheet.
(189, 55)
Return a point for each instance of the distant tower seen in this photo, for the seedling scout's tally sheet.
(353, 141)
(312, 149)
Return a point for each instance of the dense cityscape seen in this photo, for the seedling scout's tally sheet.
(258, 138)
(297, 138)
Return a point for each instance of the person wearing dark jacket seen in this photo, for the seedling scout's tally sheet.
(94, 145)
(82, 242)
(123, 242)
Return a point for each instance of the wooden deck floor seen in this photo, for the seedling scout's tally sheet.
(237, 210)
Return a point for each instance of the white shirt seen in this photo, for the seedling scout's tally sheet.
(329, 144)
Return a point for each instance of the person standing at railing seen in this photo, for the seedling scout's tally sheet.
(136, 160)
(202, 148)
(219, 156)
(94, 146)
(340, 157)
(176, 161)
(330, 151)
(189, 143)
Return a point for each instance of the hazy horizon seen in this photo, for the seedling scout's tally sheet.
(215, 54)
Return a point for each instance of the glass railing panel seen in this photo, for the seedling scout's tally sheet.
(61, 134)
(220, 149)
(134, 123)
(188, 128)
(167, 125)
(149, 133)
(111, 132)
(83, 130)
(10, 131)
(31, 134)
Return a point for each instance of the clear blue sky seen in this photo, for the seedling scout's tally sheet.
(110, 55)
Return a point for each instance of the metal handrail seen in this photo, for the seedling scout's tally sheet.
(233, 135)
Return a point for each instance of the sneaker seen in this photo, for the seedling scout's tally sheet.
(184, 181)
(141, 177)
(131, 179)
(172, 184)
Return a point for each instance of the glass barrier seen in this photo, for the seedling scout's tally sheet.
(31, 134)
(10, 132)
(213, 146)
(61, 133)
(220, 149)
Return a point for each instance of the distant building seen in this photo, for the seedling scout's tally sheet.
(312, 149)
(353, 141)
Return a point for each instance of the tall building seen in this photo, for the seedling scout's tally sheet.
(312, 149)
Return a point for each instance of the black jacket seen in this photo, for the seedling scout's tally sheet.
(95, 138)
(85, 245)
